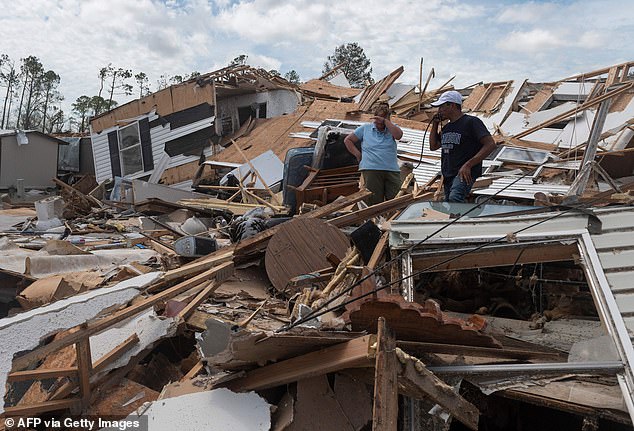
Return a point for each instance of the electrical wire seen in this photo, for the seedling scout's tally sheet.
(317, 313)
(407, 250)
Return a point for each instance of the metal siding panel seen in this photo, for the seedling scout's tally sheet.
(622, 280)
(616, 259)
(625, 303)
(620, 238)
(629, 324)
(617, 220)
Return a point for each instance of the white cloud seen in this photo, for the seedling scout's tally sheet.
(473, 40)
(530, 13)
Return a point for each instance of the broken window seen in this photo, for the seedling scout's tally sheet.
(130, 150)
(523, 155)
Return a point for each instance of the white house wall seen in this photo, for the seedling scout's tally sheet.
(278, 102)
(159, 135)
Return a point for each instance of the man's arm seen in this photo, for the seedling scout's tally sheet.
(350, 141)
(488, 145)
(394, 130)
(434, 138)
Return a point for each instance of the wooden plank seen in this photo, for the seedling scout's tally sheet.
(84, 365)
(417, 349)
(380, 208)
(115, 353)
(99, 325)
(274, 198)
(67, 388)
(385, 408)
(495, 256)
(351, 354)
(40, 374)
(575, 110)
(44, 407)
(418, 382)
(199, 299)
(195, 370)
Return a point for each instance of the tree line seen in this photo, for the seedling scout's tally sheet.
(31, 99)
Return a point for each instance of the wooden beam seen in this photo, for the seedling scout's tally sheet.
(199, 299)
(575, 110)
(495, 256)
(351, 354)
(39, 374)
(257, 174)
(219, 256)
(380, 208)
(195, 370)
(67, 388)
(96, 326)
(39, 408)
(418, 382)
(417, 349)
(115, 353)
(84, 364)
(385, 409)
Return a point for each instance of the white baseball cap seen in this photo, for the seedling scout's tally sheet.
(448, 96)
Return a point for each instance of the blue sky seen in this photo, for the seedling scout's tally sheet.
(473, 40)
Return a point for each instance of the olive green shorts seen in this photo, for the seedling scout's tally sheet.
(384, 185)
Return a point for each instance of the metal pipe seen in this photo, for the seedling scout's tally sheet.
(603, 368)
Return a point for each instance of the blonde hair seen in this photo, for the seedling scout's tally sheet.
(382, 110)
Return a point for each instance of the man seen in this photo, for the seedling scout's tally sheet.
(377, 159)
(465, 142)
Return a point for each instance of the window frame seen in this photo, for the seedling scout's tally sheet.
(127, 149)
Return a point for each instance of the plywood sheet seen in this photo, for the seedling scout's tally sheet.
(187, 95)
(300, 247)
(162, 100)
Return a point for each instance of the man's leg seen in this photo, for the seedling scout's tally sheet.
(446, 185)
(459, 190)
(392, 184)
(374, 182)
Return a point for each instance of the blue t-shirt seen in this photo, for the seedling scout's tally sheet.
(378, 149)
(460, 141)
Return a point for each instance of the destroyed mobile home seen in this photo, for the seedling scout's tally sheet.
(222, 270)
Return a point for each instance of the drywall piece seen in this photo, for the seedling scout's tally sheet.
(143, 191)
(617, 121)
(148, 326)
(24, 331)
(577, 131)
(215, 339)
(268, 165)
(576, 91)
(594, 350)
(217, 410)
(43, 265)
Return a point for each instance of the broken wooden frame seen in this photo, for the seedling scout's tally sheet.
(85, 368)
(79, 374)
(365, 352)
(601, 241)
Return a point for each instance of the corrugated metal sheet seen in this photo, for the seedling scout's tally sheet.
(409, 149)
(520, 188)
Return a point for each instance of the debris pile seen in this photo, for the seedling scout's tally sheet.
(229, 274)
